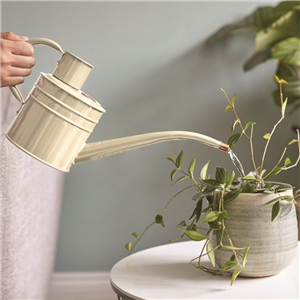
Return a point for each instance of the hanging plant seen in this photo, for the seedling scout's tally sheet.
(278, 37)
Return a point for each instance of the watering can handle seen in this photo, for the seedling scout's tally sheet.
(35, 41)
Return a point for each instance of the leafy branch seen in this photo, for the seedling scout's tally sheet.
(217, 192)
(213, 195)
(259, 172)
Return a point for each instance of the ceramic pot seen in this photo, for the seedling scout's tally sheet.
(273, 244)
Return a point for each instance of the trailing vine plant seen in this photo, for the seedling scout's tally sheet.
(212, 195)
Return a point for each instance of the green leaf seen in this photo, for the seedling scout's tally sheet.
(210, 183)
(193, 214)
(179, 160)
(248, 125)
(233, 99)
(287, 51)
(199, 209)
(229, 265)
(284, 27)
(267, 136)
(257, 58)
(180, 179)
(290, 73)
(232, 248)
(205, 210)
(192, 166)
(128, 246)
(276, 171)
(234, 139)
(228, 107)
(159, 220)
(230, 180)
(197, 196)
(203, 173)
(276, 78)
(194, 235)
(245, 256)
(287, 162)
(283, 107)
(280, 198)
(135, 234)
(211, 216)
(173, 173)
(249, 177)
(261, 18)
(235, 275)
(275, 210)
(234, 124)
(211, 253)
(221, 235)
(181, 225)
(248, 188)
(220, 175)
(231, 196)
(286, 209)
(224, 214)
(214, 225)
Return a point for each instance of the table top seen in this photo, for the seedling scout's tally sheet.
(164, 272)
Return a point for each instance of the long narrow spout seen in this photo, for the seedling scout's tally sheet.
(106, 148)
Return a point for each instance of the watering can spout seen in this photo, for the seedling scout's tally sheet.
(102, 149)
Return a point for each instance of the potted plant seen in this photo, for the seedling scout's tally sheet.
(277, 37)
(247, 222)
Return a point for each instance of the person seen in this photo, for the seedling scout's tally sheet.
(16, 58)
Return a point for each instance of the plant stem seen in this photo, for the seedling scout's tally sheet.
(236, 115)
(267, 144)
(186, 174)
(298, 159)
(141, 236)
(277, 163)
(163, 211)
(235, 252)
(252, 150)
(165, 208)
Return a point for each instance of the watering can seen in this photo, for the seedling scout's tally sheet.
(56, 119)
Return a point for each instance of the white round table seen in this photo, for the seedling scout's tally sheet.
(164, 272)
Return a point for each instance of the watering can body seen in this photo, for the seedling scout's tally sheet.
(56, 119)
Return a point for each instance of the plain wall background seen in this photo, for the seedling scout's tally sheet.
(153, 72)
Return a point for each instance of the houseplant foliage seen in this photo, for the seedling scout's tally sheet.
(212, 196)
(277, 37)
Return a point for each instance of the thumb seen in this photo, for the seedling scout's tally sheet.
(8, 35)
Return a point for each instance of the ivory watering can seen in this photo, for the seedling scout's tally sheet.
(57, 118)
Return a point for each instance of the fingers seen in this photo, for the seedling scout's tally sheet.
(17, 47)
(13, 76)
(9, 81)
(18, 61)
(12, 36)
(17, 72)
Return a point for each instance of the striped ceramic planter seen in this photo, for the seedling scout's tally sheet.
(273, 244)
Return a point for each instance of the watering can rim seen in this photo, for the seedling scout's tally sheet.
(78, 94)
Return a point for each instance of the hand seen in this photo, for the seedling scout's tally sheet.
(16, 59)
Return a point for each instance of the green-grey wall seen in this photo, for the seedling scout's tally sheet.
(153, 72)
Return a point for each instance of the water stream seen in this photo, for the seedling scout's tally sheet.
(236, 162)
